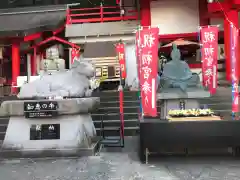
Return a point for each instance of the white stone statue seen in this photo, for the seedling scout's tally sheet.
(72, 83)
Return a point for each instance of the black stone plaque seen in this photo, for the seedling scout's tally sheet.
(182, 105)
(45, 132)
(40, 109)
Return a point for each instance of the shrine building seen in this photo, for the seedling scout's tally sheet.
(30, 28)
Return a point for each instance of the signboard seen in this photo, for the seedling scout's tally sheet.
(75, 55)
(148, 54)
(209, 52)
(40, 109)
(44, 131)
(121, 57)
(235, 79)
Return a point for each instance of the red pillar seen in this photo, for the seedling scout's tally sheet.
(233, 17)
(145, 12)
(34, 63)
(15, 65)
(203, 10)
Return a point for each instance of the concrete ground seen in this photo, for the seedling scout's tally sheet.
(122, 165)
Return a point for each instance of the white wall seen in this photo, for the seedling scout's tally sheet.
(219, 22)
(175, 16)
(131, 63)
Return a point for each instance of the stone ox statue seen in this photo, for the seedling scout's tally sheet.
(72, 83)
(177, 74)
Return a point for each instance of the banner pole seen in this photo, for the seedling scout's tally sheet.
(141, 114)
(199, 40)
(231, 42)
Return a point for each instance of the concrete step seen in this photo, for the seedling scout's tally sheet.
(128, 131)
(2, 135)
(113, 116)
(109, 110)
(116, 98)
(114, 93)
(3, 127)
(125, 103)
(4, 120)
(116, 103)
(117, 123)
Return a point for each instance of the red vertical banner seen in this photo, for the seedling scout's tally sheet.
(75, 55)
(209, 52)
(121, 57)
(148, 59)
(234, 68)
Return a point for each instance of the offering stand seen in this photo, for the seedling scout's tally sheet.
(186, 137)
(190, 135)
(181, 89)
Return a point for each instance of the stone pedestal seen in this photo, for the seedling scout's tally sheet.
(75, 136)
(174, 98)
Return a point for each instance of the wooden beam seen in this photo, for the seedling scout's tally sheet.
(236, 4)
(219, 7)
(217, 15)
(32, 37)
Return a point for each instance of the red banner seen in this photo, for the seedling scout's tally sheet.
(209, 52)
(148, 57)
(235, 79)
(75, 55)
(121, 57)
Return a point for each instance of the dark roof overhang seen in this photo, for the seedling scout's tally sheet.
(20, 22)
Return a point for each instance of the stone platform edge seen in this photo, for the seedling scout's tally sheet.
(66, 106)
(176, 93)
(34, 153)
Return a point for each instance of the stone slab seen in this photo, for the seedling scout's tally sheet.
(191, 93)
(76, 132)
(51, 153)
(169, 104)
(66, 106)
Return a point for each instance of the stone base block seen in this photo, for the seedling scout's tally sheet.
(175, 104)
(77, 134)
(176, 93)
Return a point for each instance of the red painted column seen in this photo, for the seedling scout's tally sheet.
(145, 12)
(15, 65)
(34, 63)
(233, 17)
(203, 11)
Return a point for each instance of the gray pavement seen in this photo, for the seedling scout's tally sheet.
(121, 166)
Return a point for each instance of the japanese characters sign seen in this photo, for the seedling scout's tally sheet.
(235, 79)
(40, 109)
(209, 52)
(148, 57)
(75, 55)
(121, 57)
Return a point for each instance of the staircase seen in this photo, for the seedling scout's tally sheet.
(4, 120)
(3, 128)
(109, 113)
